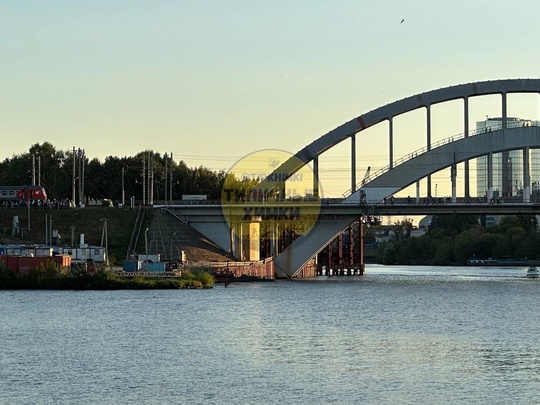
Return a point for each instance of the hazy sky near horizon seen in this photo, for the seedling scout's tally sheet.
(212, 81)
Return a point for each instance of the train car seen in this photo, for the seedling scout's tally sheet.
(22, 193)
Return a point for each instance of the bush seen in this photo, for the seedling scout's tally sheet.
(206, 279)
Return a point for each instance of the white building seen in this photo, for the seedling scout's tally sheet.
(507, 166)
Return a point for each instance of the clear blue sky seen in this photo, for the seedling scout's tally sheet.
(212, 81)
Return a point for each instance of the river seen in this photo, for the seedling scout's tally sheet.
(396, 335)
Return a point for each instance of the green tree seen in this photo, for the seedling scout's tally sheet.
(453, 223)
(389, 254)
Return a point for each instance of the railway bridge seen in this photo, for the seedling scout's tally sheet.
(377, 194)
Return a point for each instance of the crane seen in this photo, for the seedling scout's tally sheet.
(366, 177)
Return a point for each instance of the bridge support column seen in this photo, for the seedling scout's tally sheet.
(236, 240)
(466, 132)
(417, 191)
(504, 112)
(251, 241)
(526, 176)
(361, 265)
(273, 239)
(453, 175)
(428, 144)
(245, 240)
(340, 249)
(391, 143)
(353, 163)
(316, 177)
(490, 176)
(352, 243)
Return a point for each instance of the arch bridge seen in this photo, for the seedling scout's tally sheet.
(421, 164)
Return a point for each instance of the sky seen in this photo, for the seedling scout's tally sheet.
(214, 81)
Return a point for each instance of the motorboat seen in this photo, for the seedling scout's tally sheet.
(533, 272)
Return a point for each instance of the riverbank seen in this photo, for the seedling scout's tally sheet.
(50, 278)
(70, 224)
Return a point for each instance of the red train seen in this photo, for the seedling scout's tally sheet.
(22, 193)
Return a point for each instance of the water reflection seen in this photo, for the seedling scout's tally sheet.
(396, 335)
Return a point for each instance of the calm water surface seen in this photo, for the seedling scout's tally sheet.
(397, 335)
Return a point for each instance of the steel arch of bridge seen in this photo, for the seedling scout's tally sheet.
(350, 129)
(420, 166)
(433, 158)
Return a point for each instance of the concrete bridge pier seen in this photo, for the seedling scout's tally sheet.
(245, 239)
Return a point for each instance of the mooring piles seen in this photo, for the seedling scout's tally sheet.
(341, 271)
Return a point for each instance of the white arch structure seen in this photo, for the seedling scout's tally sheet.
(431, 159)
(350, 129)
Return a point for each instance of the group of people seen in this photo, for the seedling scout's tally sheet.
(45, 204)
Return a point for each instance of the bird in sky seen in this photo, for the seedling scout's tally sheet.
(402, 21)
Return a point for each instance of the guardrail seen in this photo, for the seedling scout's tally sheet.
(425, 149)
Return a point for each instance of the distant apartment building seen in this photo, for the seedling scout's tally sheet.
(508, 165)
(507, 168)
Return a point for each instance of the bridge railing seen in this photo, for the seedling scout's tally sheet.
(412, 201)
(337, 202)
(425, 149)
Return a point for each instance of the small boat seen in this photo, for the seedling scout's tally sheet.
(533, 272)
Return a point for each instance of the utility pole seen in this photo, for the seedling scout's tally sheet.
(123, 191)
(72, 235)
(144, 179)
(151, 179)
(81, 177)
(33, 169)
(73, 195)
(170, 180)
(83, 160)
(166, 172)
(104, 237)
(146, 245)
(152, 185)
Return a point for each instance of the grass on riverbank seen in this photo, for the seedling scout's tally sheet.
(51, 277)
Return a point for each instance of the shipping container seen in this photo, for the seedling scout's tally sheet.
(11, 262)
(150, 258)
(18, 263)
(131, 265)
(153, 266)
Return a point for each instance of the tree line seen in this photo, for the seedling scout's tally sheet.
(104, 179)
(454, 239)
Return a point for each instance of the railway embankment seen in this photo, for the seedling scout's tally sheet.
(64, 227)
